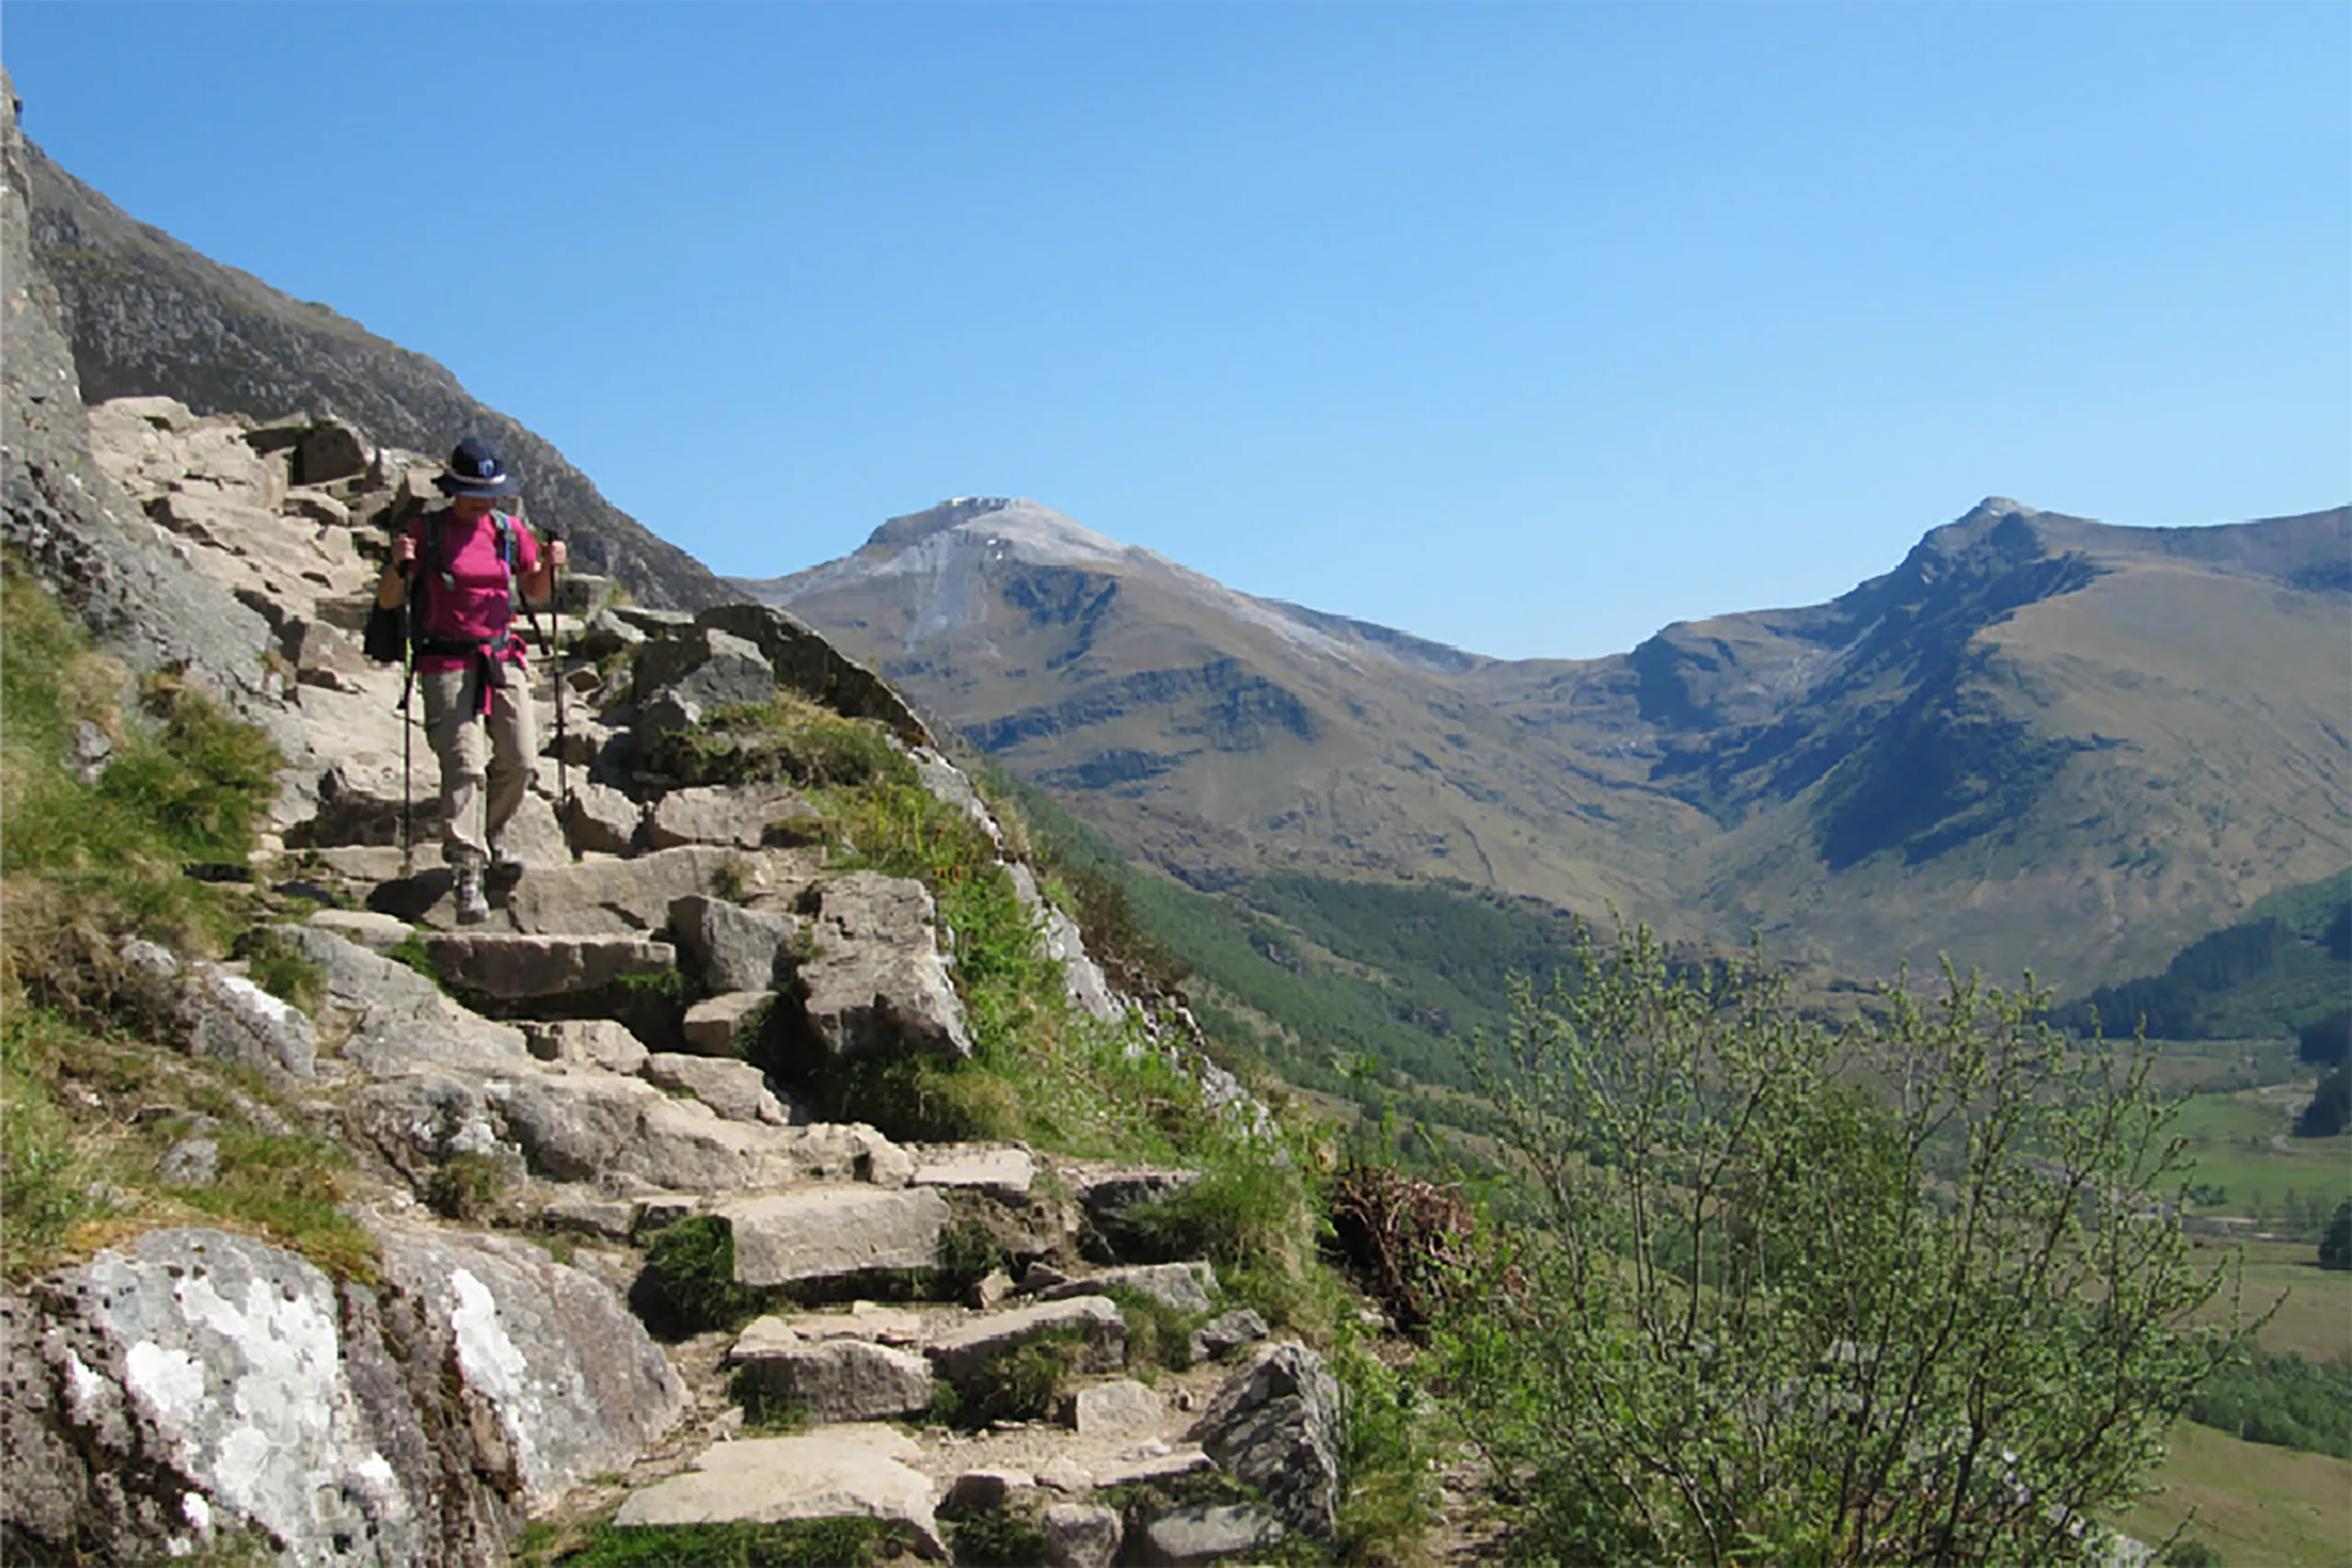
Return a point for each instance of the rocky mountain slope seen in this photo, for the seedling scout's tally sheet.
(2040, 740)
(148, 316)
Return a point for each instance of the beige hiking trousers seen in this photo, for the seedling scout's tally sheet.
(487, 762)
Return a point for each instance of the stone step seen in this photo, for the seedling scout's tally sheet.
(834, 1232)
(512, 965)
(854, 1471)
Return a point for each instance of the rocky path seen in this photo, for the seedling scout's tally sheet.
(533, 1117)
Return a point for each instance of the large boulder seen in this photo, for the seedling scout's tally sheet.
(1276, 1425)
(877, 982)
(195, 1386)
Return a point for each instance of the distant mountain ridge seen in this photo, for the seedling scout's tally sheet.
(2040, 740)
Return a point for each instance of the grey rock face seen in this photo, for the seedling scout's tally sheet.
(228, 1016)
(594, 1127)
(1276, 1425)
(1205, 1532)
(963, 1351)
(827, 1233)
(510, 965)
(1080, 1535)
(137, 589)
(845, 1380)
(878, 982)
(147, 314)
(800, 658)
(574, 1384)
(736, 949)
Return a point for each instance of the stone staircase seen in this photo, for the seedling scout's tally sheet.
(528, 1107)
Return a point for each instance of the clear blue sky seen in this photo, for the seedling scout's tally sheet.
(1529, 328)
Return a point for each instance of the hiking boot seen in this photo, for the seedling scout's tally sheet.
(506, 866)
(473, 908)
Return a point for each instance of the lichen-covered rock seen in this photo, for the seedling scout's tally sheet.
(1275, 1423)
(228, 1016)
(171, 1395)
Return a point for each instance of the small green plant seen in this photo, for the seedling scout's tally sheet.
(1007, 1538)
(1159, 1335)
(765, 1412)
(467, 1187)
(688, 1283)
(1024, 1383)
(790, 1543)
(967, 1253)
(410, 951)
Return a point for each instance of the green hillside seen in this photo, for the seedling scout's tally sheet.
(2287, 965)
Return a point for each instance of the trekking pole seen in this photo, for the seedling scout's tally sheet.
(408, 735)
(555, 664)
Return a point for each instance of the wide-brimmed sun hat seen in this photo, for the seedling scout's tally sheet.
(475, 468)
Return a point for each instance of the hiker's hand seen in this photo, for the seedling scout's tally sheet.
(403, 551)
(558, 553)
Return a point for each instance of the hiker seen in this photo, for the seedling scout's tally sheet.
(466, 560)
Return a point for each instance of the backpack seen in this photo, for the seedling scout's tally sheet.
(382, 640)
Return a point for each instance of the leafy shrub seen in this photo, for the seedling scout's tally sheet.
(765, 1412)
(1003, 1538)
(1795, 1318)
(2335, 1246)
(2279, 1398)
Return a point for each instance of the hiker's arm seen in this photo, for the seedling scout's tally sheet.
(538, 582)
(394, 582)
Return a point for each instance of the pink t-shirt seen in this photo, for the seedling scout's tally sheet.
(463, 590)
